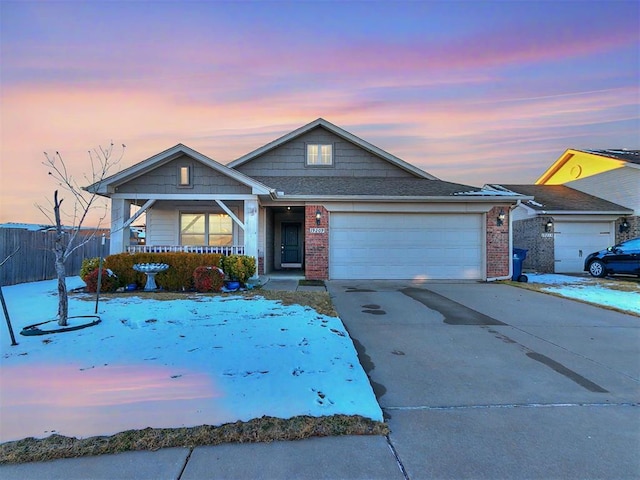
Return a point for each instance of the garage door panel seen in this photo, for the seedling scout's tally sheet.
(404, 246)
(573, 241)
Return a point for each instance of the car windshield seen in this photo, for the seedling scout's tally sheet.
(630, 245)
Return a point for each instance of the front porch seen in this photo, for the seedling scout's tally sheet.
(281, 241)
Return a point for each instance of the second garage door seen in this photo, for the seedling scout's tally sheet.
(573, 241)
(405, 246)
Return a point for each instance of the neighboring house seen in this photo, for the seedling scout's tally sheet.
(320, 199)
(613, 175)
(561, 226)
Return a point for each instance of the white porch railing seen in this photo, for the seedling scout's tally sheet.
(225, 250)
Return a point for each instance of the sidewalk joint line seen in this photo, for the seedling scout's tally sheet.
(512, 405)
(398, 461)
(186, 460)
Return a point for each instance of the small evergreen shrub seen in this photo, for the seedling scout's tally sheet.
(208, 279)
(108, 282)
(88, 266)
(238, 267)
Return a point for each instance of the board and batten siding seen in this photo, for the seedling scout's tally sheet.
(349, 159)
(164, 179)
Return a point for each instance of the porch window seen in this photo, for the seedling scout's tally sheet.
(319, 154)
(215, 229)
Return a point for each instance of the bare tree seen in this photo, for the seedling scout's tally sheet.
(69, 224)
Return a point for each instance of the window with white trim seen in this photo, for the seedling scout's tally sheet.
(319, 154)
(215, 229)
(184, 176)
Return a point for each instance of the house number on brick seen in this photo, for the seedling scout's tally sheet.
(316, 230)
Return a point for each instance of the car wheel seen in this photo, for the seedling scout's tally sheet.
(597, 269)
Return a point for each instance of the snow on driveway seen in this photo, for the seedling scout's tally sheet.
(151, 363)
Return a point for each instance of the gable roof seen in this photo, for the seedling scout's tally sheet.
(631, 156)
(550, 199)
(620, 157)
(321, 122)
(106, 186)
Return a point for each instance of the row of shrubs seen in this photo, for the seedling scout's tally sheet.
(178, 277)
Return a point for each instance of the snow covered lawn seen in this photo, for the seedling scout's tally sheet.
(153, 363)
(620, 294)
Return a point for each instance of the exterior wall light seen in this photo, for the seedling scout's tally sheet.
(500, 219)
(318, 217)
(624, 226)
(548, 226)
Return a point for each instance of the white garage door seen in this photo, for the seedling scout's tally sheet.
(575, 240)
(405, 246)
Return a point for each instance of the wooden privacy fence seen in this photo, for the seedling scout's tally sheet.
(35, 261)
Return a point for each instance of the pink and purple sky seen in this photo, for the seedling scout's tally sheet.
(473, 92)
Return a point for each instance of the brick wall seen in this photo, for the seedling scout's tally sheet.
(498, 254)
(316, 251)
(530, 234)
(632, 232)
(260, 263)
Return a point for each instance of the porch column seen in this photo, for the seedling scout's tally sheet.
(251, 230)
(120, 212)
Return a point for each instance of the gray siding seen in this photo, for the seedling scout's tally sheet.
(348, 160)
(163, 220)
(621, 186)
(162, 226)
(164, 179)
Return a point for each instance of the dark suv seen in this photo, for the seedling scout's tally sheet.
(621, 258)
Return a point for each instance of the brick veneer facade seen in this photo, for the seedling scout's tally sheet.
(260, 263)
(632, 232)
(530, 234)
(316, 247)
(498, 254)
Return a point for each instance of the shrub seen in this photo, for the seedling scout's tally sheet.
(238, 267)
(178, 277)
(88, 266)
(208, 279)
(108, 282)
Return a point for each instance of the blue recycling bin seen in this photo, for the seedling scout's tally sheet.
(519, 254)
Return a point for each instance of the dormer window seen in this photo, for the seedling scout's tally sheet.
(319, 154)
(184, 176)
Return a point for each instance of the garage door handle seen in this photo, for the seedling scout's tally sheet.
(580, 253)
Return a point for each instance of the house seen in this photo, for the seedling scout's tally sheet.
(318, 198)
(560, 226)
(612, 175)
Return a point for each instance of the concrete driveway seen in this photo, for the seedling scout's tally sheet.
(490, 381)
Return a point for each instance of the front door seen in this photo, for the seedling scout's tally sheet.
(291, 245)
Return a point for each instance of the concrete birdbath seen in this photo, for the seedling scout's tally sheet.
(151, 270)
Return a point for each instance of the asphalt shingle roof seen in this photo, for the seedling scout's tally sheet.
(631, 156)
(563, 198)
(363, 186)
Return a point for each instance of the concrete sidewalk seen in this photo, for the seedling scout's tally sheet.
(349, 457)
(288, 282)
